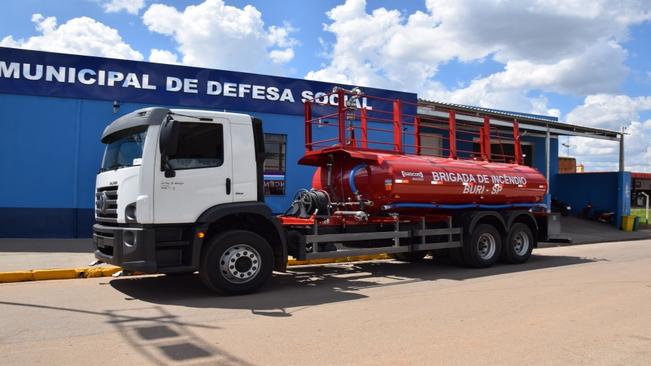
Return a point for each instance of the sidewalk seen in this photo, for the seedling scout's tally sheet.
(27, 254)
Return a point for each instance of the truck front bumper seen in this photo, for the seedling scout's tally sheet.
(133, 249)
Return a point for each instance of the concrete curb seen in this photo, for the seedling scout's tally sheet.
(57, 274)
(107, 271)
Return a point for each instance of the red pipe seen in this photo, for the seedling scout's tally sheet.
(417, 134)
(397, 126)
(486, 140)
(341, 110)
(308, 126)
(516, 142)
(364, 122)
(453, 135)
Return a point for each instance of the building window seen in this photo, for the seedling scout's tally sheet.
(274, 164)
(431, 144)
(201, 145)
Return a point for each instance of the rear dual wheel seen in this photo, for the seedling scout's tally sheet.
(480, 249)
(518, 245)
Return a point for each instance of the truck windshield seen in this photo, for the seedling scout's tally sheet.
(124, 150)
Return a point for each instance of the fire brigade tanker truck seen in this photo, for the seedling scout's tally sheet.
(182, 190)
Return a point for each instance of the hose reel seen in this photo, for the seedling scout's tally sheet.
(307, 202)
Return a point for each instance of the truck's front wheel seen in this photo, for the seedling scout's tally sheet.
(236, 262)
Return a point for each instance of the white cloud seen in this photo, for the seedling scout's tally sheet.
(163, 56)
(130, 6)
(612, 112)
(609, 111)
(212, 34)
(83, 35)
(281, 56)
(544, 45)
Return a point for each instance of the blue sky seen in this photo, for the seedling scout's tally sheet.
(586, 61)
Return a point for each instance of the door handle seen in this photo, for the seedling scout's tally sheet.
(228, 185)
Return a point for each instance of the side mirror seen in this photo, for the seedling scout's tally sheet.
(169, 143)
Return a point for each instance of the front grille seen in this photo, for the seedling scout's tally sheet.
(106, 204)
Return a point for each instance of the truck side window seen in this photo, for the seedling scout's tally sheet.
(201, 145)
(275, 146)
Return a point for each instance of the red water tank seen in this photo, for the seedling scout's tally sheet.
(394, 181)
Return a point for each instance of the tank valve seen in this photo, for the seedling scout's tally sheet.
(358, 215)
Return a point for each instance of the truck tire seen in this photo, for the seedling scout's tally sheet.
(236, 262)
(411, 257)
(518, 245)
(483, 247)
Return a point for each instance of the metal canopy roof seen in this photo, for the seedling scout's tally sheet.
(504, 119)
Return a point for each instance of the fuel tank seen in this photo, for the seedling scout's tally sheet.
(393, 181)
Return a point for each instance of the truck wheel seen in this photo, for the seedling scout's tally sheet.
(483, 247)
(519, 244)
(409, 256)
(236, 262)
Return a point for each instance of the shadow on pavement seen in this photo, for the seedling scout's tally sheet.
(315, 285)
(156, 334)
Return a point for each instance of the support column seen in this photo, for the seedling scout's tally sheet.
(621, 151)
(547, 164)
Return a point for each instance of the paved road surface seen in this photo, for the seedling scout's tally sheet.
(587, 304)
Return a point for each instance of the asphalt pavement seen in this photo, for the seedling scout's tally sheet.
(585, 304)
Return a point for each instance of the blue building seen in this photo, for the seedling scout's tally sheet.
(54, 107)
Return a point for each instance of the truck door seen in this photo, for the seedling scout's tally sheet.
(203, 172)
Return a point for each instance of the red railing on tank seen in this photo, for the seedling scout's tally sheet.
(354, 122)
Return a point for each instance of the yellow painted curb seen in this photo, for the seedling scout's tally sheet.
(54, 274)
(17, 276)
(107, 271)
(57, 274)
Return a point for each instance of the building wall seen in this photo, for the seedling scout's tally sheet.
(539, 159)
(606, 191)
(51, 153)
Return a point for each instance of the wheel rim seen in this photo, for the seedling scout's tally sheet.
(486, 246)
(520, 243)
(240, 263)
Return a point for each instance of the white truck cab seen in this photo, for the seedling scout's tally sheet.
(171, 179)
